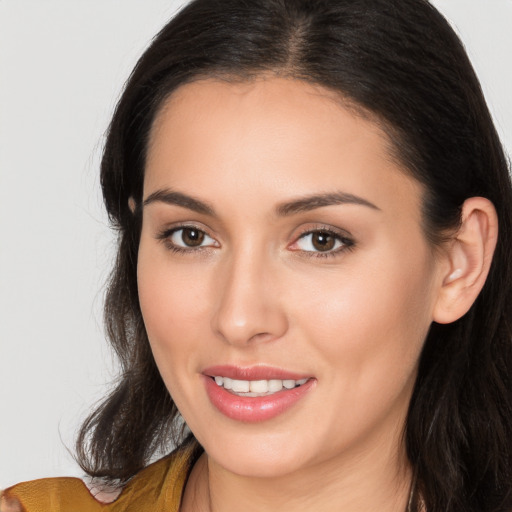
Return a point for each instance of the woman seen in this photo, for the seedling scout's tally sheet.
(315, 221)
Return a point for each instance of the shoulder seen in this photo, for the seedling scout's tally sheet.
(157, 487)
(42, 495)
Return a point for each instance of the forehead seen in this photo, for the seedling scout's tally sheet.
(279, 135)
(281, 105)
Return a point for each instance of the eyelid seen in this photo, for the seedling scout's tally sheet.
(347, 240)
(165, 234)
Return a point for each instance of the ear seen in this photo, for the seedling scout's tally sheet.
(131, 204)
(469, 255)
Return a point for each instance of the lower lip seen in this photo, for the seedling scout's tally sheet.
(254, 409)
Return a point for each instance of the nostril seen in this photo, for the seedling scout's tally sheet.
(246, 310)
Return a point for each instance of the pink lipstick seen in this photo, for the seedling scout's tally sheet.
(254, 394)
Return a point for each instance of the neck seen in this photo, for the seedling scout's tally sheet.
(362, 482)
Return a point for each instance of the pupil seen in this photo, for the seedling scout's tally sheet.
(192, 237)
(323, 241)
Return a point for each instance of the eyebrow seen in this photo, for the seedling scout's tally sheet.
(312, 202)
(300, 205)
(177, 198)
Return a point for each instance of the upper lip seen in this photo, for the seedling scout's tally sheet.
(259, 372)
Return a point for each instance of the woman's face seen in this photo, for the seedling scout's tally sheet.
(281, 244)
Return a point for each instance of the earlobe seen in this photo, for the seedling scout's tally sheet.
(469, 255)
(131, 204)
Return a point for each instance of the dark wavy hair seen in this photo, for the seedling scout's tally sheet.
(401, 63)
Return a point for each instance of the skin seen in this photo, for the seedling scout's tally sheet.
(256, 292)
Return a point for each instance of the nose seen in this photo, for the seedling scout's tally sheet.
(248, 303)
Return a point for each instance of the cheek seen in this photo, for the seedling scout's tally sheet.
(173, 308)
(372, 324)
(168, 300)
(172, 317)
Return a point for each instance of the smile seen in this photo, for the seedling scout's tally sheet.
(255, 394)
(254, 388)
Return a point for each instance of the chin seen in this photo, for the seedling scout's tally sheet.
(257, 456)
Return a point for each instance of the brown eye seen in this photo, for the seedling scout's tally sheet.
(192, 237)
(189, 238)
(323, 241)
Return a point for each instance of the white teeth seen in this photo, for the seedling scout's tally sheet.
(240, 386)
(275, 385)
(257, 387)
(289, 384)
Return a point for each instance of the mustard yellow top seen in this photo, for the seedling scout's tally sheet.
(157, 488)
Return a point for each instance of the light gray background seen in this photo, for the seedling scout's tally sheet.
(62, 66)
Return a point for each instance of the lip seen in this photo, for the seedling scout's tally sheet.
(260, 372)
(254, 409)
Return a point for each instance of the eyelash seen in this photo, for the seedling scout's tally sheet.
(166, 235)
(347, 244)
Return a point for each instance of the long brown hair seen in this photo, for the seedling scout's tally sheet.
(400, 61)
